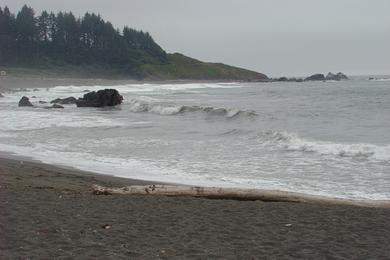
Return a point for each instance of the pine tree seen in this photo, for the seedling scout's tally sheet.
(64, 39)
(26, 33)
(8, 50)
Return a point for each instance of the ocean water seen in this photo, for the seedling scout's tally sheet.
(325, 138)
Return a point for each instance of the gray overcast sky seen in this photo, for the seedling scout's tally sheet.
(277, 37)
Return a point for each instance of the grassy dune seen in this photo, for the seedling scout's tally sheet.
(182, 67)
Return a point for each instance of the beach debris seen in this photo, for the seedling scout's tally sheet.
(100, 192)
(1, 95)
(44, 187)
(3, 73)
(64, 101)
(166, 252)
(235, 194)
(288, 225)
(25, 102)
(42, 102)
(106, 226)
(101, 98)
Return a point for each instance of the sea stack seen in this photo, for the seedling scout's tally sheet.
(64, 101)
(339, 76)
(101, 98)
(25, 102)
(315, 77)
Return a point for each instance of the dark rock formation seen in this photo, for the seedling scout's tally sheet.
(338, 76)
(315, 77)
(54, 106)
(282, 79)
(64, 101)
(285, 79)
(57, 106)
(25, 102)
(341, 76)
(330, 76)
(295, 80)
(101, 98)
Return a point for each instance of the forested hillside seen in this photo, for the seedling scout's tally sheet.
(51, 40)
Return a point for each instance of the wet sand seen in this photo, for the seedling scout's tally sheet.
(48, 212)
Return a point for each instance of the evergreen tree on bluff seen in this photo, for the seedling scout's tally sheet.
(26, 39)
(26, 33)
(7, 35)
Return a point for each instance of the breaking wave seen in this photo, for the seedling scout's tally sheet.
(292, 142)
(379, 79)
(145, 87)
(139, 106)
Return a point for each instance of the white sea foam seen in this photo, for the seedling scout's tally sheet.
(57, 154)
(139, 105)
(35, 119)
(132, 88)
(380, 79)
(292, 142)
(4, 134)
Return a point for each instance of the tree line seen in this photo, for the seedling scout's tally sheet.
(59, 39)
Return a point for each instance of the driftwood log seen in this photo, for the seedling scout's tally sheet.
(236, 194)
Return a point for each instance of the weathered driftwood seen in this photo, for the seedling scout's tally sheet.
(236, 194)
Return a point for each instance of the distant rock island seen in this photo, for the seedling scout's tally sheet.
(315, 77)
(62, 45)
(338, 76)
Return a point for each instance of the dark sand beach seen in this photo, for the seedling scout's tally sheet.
(48, 212)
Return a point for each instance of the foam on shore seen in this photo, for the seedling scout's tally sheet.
(245, 194)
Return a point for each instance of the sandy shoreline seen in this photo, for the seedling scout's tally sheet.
(257, 194)
(49, 212)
